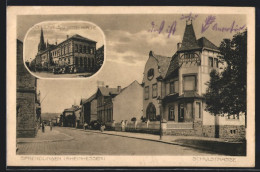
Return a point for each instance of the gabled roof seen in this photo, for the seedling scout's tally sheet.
(135, 81)
(77, 36)
(163, 63)
(108, 91)
(189, 41)
(83, 101)
(205, 43)
(71, 109)
(174, 65)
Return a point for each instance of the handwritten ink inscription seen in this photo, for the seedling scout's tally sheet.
(171, 29)
(211, 21)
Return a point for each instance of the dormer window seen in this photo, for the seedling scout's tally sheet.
(150, 74)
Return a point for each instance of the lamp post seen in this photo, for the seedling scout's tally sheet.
(159, 100)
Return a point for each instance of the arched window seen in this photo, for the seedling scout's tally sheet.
(150, 74)
(151, 112)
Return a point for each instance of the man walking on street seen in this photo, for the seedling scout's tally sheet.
(50, 125)
(43, 127)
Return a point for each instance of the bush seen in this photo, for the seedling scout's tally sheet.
(143, 119)
(133, 119)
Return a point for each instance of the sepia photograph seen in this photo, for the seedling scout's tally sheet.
(127, 88)
(64, 49)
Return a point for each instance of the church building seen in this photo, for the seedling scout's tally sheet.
(174, 87)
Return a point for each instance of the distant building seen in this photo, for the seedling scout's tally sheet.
(116, 104)
(77, 53)
(88, 109)
(27, 102)
(180, 82)
(105, 104)
(70, 116)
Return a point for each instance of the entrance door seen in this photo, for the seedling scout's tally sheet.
(181, 113)
(151, 112)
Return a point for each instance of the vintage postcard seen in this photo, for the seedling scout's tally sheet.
(131, 86)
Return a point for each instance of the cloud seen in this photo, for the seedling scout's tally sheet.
(134, 47)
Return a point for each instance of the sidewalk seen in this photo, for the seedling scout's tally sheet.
(47, 136)
(203, 143)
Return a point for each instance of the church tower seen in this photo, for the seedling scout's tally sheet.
(41, 45)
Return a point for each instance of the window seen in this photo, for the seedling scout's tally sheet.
(171, 114)
(76, 48)
(76, 60)
(216, 62)
(85, 62)
(189, 112)
(84, 49)
(172, 88)
(80, 48)
(210, 61)
(198, 109)
(91, 50)
(176, 86)
(189, 83)
(146, 92)
(154, 90)
(81, 61)
(150, 74)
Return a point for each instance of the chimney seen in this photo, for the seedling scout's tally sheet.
(67, 36)
(178, 46)
(118, 88)
(107, 86)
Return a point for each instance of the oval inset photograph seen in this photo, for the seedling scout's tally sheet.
(67, 49)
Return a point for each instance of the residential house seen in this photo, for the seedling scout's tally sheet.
(70, 116)
(116, 104)
(105, 104)
(174, 87)
(88, 109)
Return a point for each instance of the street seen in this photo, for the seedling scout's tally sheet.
(79, 142)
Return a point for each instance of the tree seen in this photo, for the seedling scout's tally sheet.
(226, 91)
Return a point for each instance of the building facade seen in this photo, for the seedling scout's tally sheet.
(76, 53)
(174, 87)
(128, 103)
(88, 109)
(70, 116)
(28, 107)
(105, 104)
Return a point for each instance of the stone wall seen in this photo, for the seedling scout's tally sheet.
(25, 98)
(229, 132)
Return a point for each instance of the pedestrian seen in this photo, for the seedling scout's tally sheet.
(43, 127)
(50, 125)
(85, 126)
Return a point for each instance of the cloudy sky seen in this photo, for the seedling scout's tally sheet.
(128, 42)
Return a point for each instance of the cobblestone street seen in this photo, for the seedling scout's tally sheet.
(68, 141)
